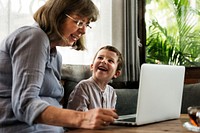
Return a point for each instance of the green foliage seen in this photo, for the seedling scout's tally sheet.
(178, 42)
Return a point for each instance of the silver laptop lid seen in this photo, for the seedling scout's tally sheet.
(160, 93)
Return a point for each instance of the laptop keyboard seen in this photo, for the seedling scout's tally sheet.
(127, 119)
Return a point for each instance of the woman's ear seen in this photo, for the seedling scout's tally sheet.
(117, 73)
(91, 67)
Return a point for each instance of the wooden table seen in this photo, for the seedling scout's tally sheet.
(171, 126)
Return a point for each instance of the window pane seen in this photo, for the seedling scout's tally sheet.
(17, 13)
(173, 32)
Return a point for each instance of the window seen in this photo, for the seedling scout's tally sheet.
(173, 32)
(192, 70)
(17, 13)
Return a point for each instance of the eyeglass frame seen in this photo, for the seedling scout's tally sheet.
(79, 23)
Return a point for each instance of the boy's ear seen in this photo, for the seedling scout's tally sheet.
(117, 74)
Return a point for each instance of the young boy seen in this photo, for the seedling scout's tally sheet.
(95, 91)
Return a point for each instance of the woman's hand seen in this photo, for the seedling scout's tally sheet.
(91, 119)
(98, 118)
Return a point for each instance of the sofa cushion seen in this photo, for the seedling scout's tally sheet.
(126, 101)
(75, 73)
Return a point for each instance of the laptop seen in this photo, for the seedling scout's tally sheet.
(159, 95)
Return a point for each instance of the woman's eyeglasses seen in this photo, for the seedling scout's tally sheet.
(79, 23)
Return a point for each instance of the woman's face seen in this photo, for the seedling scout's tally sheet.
(71, 31)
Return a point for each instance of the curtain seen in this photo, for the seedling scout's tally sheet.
(125, 37)
(131, 40)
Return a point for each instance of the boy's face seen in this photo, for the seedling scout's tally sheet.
(105, 65)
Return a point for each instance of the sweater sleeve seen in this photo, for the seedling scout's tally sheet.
(29, 51)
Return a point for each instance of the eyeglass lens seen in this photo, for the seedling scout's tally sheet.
(79, 23)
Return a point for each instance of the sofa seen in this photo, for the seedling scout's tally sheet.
(126, 91)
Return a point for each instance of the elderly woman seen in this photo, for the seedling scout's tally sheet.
(30, 91)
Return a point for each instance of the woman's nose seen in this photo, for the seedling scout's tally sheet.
(83, 29)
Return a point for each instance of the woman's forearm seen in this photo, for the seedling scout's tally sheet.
(60, 117)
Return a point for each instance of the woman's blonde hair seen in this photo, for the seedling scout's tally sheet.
(52, 14)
